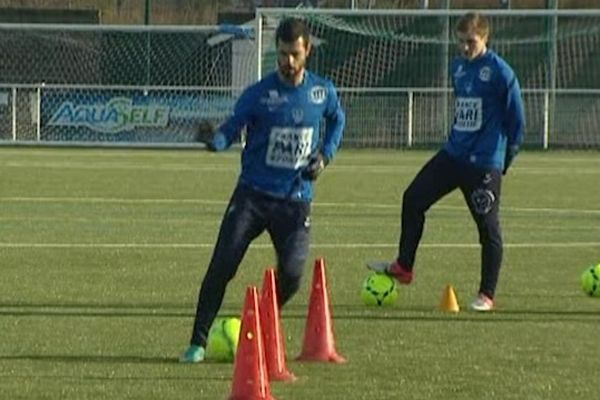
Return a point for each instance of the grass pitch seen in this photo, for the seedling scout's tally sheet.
(102, 253)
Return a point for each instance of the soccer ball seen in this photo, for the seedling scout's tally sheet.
(223, 338)
(379, 290)
(590, 281)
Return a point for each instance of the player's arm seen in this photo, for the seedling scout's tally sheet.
(219, 139)
(514, 123)
(335, 120)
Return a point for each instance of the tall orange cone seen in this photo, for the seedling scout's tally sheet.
(319, 342)
(250, 380)
(273, 337)
(449, 302)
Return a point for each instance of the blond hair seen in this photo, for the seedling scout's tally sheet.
(474, 22)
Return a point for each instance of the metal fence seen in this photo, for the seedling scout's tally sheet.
(126, 85)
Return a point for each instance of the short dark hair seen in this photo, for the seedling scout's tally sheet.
(290, 30)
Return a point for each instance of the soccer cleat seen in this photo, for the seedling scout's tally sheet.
(395, 270)
(482, 303)
(193, 354)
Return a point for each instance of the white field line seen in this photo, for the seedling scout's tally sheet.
(270, 246)
(547, 210)
(587, 168)
(122, 166)
(108, 200)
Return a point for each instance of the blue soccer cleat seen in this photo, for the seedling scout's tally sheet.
(193, 354)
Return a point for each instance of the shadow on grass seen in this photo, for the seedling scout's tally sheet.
(109, 359)
(84, 313)
(297, 311)
(357, 312)
(107, 310)
(165, 305)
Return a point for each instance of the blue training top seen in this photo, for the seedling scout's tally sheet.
(489, 114)
(283, 126)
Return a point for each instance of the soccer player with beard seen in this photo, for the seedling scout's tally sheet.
(485, 138)
(282, 156)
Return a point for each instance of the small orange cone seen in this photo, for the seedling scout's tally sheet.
(273, 337)
(449, 302)
(319, 342)
(250, 380)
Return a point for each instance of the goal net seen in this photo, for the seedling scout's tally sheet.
(391, 69)
(119, 84)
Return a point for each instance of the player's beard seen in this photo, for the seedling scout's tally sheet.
(292, 74)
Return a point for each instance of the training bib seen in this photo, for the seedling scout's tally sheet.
(289, 147)
(468, 114)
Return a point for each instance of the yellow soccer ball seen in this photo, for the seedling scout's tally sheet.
(379, 290)
(590, 281)
(223, 339)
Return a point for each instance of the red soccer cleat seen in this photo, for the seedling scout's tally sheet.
(394, 269)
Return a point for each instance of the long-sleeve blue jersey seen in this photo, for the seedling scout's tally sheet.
(489, 115)
(283, 129)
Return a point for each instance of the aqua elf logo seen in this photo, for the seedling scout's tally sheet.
(117, 115)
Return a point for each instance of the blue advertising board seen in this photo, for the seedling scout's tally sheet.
(99, 115)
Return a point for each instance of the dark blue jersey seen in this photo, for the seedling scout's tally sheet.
(489, 114)
(283, 126)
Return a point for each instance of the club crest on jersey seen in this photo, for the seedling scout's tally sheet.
(485, 74)
(297, 115)
(318, 94)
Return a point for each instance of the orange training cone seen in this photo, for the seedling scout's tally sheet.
(273, 337)
(250, 380)
(319, 342)
(449, 302)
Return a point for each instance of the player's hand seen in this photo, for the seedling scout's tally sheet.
(205, 134)
(315, 166)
